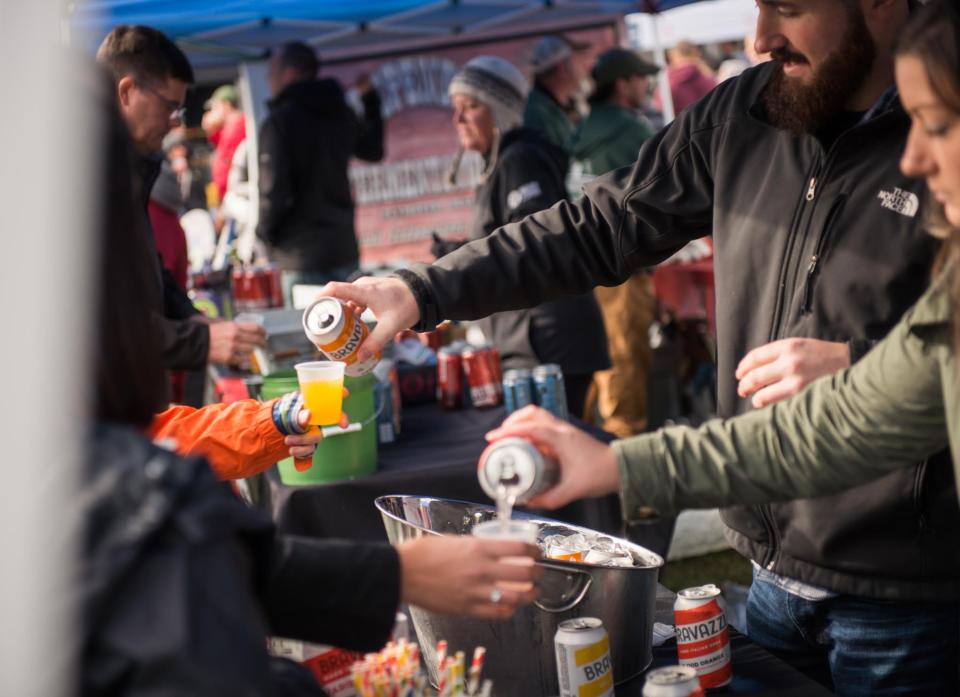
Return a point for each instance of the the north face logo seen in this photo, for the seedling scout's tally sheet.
(900, 201)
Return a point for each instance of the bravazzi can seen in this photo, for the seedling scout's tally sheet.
(519, 467)
(672, 681)
(517, 389)
(337, 332)
(481, 376)
(551, 394)
(703, 638)
(583, 658)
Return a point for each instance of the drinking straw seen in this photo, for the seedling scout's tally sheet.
(476, 667)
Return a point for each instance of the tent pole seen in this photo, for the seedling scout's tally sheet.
(663, 83)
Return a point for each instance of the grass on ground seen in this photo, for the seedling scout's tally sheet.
(718, 568)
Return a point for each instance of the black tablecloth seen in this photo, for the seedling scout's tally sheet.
(436, 455)
(755, 671)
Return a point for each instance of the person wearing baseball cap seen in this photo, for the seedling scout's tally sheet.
(559, 67)
(611, 135)
(608, 139)
(523, 173)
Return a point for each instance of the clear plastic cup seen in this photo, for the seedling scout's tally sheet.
(321, 383)
(249, 318)
(257, 361)
(522, 530)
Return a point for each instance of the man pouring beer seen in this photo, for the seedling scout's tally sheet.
(819, 250)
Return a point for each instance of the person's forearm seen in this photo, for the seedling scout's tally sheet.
(822, 441)
(339, 592)
(186, 343)
(238, 439)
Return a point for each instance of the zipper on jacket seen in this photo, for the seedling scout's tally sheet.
(818, 252)
(784, 280)
(784, 299)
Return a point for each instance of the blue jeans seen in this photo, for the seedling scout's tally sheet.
(289, 279)
(858, 646)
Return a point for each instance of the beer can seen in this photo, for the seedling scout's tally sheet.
(383, 401)
(583, 658)
(337, 332)
(672, 681)
(449, 378)
(484, 387)
(517, 389)
(519, 467)
(432, 339)
(242, 293)
(550, 392)
(276, 285)
(496, 366)
(703, 638)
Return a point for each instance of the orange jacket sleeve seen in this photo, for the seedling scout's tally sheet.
(238, 439)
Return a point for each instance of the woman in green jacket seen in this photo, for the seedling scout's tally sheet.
(894, 407)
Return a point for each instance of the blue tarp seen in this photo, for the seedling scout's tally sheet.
(223, 32)
(183, 18)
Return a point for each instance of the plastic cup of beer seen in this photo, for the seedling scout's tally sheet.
(520, 530)
(321, 384)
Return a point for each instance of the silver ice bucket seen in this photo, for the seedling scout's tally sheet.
(520, 655)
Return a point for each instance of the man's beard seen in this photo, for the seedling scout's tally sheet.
(807, 108)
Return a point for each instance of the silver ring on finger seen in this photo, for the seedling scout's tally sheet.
(496, 595)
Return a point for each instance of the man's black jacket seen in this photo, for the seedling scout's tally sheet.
(185, 341)
(808, 242)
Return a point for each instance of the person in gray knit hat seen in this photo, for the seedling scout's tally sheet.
(523, 173)
(497, 84)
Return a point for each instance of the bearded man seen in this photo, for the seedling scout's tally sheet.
(818, 249)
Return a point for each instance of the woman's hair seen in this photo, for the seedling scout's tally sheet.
(932, 36)
(130, 383)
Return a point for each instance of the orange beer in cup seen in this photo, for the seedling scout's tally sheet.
(321, 384)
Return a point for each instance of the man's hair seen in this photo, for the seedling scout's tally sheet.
(145, 54)
(301, 58)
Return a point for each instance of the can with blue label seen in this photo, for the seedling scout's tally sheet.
(550, 392)
(517, 389)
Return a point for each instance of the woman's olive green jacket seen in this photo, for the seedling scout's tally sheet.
(893, 408)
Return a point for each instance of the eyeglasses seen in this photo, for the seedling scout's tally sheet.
(178, 112)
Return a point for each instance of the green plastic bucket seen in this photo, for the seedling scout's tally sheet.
(339, 457)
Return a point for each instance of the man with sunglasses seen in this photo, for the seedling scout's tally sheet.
(152, 76)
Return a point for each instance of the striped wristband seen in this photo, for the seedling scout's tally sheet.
(285, 412)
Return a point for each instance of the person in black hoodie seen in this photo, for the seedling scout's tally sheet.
(305, 146)
(523, 173)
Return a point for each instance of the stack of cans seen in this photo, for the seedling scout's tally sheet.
(468, 375)
(543, 386)
(256, 288)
